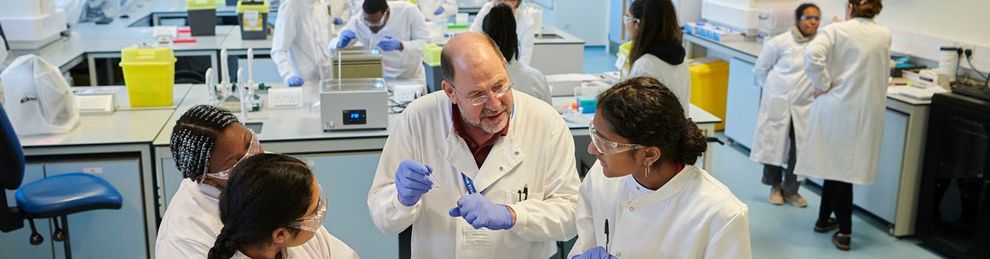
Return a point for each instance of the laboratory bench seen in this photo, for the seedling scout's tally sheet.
(117, 148)
(893, 198)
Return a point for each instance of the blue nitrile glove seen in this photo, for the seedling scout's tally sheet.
(594, 253)
(438, 11)
(482, 213)
(294, 81)
(346, 37)
(412, 181)
(338, 21)
(389, 44)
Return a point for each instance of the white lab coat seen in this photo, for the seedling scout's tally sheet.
(192, 222)
(428, 7)
(845, 127)
(677, 78)
(405, 24)
(787, 96)
(525, 30)
(692, 216)
(537, 153)
(342, 9)
(303, 31)
(528, 80)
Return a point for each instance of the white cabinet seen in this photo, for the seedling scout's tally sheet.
(880, 198)
(742, 104)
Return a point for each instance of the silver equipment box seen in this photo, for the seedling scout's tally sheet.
(353, 104)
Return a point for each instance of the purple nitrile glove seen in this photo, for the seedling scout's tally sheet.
(294, 81)
(480, 212)
(594, 253)
(390, 44)
(346, 37)
(412, 181)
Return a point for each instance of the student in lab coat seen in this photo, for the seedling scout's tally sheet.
(848, 64)
(644, 198)
(525, 26)
(657, 51)
(785, 105)
(500, 25)
(503, 163)
(300, 43)
(437, 10)
(271, 207)
(207, 142)
(398, 29)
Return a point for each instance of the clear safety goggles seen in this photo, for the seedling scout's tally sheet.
(254, 148)
(379, 23)
(629, 19)
(313, 222)
(811, 17)
(483, 98)
(609, 147)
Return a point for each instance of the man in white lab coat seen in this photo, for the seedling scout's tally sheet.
(477, 170)
(525, 26)
(300, 43)
(398, 29)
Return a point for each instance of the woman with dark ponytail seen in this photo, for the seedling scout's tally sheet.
(848, 64)
(271, 207)
(644, 198)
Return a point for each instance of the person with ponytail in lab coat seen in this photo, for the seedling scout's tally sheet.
(848, 64)
(644, 198)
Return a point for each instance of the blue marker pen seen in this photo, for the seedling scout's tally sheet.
(468, 183)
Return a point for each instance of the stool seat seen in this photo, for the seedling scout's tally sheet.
(66, 194)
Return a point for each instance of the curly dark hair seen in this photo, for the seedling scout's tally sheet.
(646, 112)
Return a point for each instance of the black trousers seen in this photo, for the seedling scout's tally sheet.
(837, 197)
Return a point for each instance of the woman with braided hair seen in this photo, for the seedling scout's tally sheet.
(644, 198)
(206, 143)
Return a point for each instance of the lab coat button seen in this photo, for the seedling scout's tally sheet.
(500, 168)
(631, 209)
(618, 254)
(517, 153)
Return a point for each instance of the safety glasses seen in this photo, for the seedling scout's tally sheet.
(811, 17)
(313, 222)
(609, 147)
(379, 23)
(254, 148)
(482, 98)
(629, 19)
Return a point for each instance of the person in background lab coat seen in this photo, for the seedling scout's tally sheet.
(644, 198)
(207, 142)
(785, 105)
(515, 152)
(398, 29)
(300, 43)
(437, 10)
(500, 25)
(271, 207)
(848, 63)
(525, 27)
(657, 51)
(341, 11)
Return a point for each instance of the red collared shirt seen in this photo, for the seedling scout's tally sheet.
(480, 152)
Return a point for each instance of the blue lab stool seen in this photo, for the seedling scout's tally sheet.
(54, 197)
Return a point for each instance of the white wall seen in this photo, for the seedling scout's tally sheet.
(586, 19)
